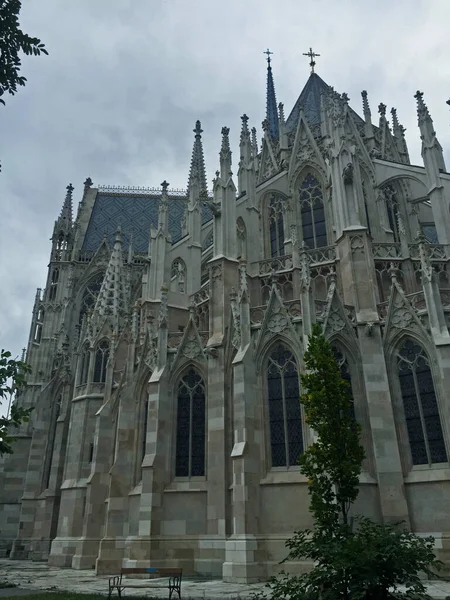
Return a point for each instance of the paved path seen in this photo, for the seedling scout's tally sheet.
(39, 576)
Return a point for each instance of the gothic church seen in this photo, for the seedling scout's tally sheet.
(167, 344)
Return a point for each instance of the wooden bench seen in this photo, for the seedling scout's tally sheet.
(173, 584)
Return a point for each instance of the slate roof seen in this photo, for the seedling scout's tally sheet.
(135, 213)
(309, 99)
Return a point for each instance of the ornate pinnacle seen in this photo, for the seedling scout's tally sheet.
(197, 173)
(395, 123)
(281, 111)
(254, 142)
(245, 134)
(422, 110)
(165, 185)
(225, 151)
(70, 189)
(366, 107)
(265, 125)
(382, 109)
(88, 183)
(345, 97)
(118, 234)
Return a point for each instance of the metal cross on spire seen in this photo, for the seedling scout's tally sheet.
(268, 52)
(312, 55)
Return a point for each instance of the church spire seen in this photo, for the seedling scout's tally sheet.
(65, 216)
(112, 297)
(271, 101)
(197, 172)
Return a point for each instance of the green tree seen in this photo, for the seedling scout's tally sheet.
(13, 42)
(352, 558)
(12, 378)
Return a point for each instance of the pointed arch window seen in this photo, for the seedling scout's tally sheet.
(90, 294)
(101, 361)
(285, 413)
(423, 423)
(53, 285)
(190, 435)
(84, 369)
(276, 226)
(241, 233)
(178, 275)
(312, 212)
(38, 327)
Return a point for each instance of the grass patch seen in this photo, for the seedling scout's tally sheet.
(71, 596)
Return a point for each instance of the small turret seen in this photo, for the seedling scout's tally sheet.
(62, 231)
(197, 172)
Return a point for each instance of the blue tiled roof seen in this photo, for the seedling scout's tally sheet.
(135, 213)
(309, 100)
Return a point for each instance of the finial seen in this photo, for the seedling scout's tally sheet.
(245, 134)
(165, 185)
(225, 151)
(192, 311)
(118, 234)
(422, 110)
(70, 189)
(268, 53)
(312, 55)
(395, 123)
(366, 107)
(88, 183)
(382, 109)
(393, 272)
(198, 129)
(345, 97)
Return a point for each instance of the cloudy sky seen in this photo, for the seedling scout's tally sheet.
(125, 80)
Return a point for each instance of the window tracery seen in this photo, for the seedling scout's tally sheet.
(423, 423)
(312, 213)
(90, 294)
(101, 361)
(38, 327)
(342, 362)
(285, 413)
(53, 285)
(190, 434)
(276, 226)
(393, 211)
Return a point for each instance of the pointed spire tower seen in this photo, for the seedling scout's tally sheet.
(197, 172)
(271, 101)
(112, 299)
(62, 231)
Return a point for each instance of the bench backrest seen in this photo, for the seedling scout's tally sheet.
(164, 572)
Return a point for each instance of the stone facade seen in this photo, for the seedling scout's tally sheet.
(167, 343)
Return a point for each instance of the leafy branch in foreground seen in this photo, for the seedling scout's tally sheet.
(12, 378)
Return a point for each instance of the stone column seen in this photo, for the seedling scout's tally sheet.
(359, 281)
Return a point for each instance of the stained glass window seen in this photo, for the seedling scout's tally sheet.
(101, 360)
(429, 230)
(276, 226)
(423, 422)
(90, 294)
(312, 213)
(285, 415)
(53, 285)
(190, 436)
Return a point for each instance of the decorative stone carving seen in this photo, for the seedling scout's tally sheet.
(357, 243)
(192, 348)
(216, 272)
(347, 174)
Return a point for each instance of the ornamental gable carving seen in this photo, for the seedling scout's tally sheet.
(305, 149)
(276, 321)
(268, 165)
(191, 346)
(401, 315)
(335, 316)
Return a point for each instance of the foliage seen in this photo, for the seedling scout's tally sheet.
(351, 557)
(12, 378)
(333, 463)
(13, 41)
